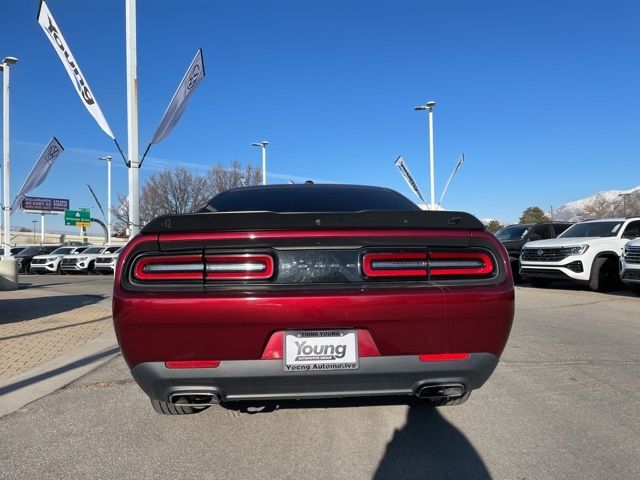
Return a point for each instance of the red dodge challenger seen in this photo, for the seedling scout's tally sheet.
(311, 291)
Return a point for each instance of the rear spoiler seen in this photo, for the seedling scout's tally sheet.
(239, 221)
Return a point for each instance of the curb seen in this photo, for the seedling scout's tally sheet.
(18, 391)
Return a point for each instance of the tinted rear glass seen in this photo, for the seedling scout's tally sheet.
(309, 198)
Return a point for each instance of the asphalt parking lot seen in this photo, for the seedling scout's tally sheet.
(563, 403)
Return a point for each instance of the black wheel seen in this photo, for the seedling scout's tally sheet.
(447, 402)
(91, 270)
(604, 275)
(166, 408)
(540, 282)
(515, 270)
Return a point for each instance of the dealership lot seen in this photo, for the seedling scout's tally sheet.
(563, 403)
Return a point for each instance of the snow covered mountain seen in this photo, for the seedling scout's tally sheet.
(571, 211)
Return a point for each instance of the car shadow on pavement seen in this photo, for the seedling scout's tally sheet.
(426, 447)
(22, 309)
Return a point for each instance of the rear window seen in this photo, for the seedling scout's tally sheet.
(308, 198)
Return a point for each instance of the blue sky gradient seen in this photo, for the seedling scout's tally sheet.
(541, 96)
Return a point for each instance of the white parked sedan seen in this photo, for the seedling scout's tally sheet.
(50, 263)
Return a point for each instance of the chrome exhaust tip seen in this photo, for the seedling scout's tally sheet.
(194, 399)
(453, 390)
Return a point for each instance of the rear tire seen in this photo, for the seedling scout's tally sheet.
(604, 275)
(166, 408)
(539, 282)
(447, 402)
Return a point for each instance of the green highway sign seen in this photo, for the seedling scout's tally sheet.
(77, 218)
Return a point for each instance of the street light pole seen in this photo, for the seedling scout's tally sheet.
(108, 159)
(263, 144)
(6, 197)
(34, 230)
(429, 107)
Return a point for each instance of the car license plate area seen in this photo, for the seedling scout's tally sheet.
(320, 350)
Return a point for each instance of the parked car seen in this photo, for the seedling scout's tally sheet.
(107, 263)
(14, 250)
(630, 266)
(311, 291)
(50, 263)
(588, 252)
(25, 256)
(513, 237)
(85, 262)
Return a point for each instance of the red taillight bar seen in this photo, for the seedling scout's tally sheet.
(247, 266)
(443, 357)
(395, 264)
(192, 364)
(173, 267)
(460, 263)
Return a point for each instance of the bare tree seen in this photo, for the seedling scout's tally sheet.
(223, 178)
(177, 190)
(599, 207)
(627, 204)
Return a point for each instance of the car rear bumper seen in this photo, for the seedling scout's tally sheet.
(266, 379)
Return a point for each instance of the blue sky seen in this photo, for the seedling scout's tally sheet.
(541, 96)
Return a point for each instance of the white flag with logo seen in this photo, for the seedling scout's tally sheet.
(406, 174)
(178, 103)
(40, 170)
(48, 24)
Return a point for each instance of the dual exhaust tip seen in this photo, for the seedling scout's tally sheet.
(194, 399)
(454, 390)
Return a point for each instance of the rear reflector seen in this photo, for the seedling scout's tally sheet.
(443, 357)
(395, 264)
(239, 267)
(192, 364)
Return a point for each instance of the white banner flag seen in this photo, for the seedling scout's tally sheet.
(187, 86)
(406, 174)
(48, 24)
(40, 170)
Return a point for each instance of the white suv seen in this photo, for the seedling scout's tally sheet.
(630, 266)
(85, 262)
(51, 262)
(588, 252)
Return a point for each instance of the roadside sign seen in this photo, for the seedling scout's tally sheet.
(77, 218)
(45, 204)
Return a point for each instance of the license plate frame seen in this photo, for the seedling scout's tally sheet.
(325, 352)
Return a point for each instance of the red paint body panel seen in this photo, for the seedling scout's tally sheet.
(156, 326)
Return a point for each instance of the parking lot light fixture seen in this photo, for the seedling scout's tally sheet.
(263, 144)
(429, 108)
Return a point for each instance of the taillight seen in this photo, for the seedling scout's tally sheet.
(438, 264)
(468, 264)
(170, 267)
(395, 264)
(239, 267)
(211, 267)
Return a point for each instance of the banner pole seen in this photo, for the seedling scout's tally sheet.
(132, 117)
(41, 228)
(126, 162)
